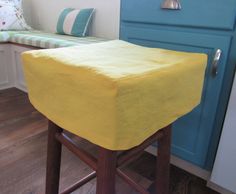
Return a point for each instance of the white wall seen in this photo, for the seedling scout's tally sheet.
(224, 171)
(43, 14)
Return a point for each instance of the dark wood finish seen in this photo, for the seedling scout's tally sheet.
(53, 159)
(131, 182)
(21, 45)
(83, 155)
(107, 162)
(163, 162)
(25, 46)
(106, 171)
(80, 183)
(127, 156)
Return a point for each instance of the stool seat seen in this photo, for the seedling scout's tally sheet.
(114, 94)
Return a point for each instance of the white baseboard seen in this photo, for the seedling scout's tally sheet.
(6, 87)
(187, 166)
(22, 88)
(218, 188)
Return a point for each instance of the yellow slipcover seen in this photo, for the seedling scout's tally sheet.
(114, 94)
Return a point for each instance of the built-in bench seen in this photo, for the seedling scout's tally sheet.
(13, 43)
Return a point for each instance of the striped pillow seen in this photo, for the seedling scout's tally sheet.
(74, 22)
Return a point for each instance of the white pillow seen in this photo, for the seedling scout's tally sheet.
(11, 16)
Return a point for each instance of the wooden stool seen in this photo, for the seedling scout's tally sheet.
(108, 162)
(116, 95)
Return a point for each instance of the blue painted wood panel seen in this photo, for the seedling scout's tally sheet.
(216, 14)
(192, 133)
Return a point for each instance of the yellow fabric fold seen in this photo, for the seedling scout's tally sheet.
(114, 94)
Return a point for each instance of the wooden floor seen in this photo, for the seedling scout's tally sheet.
(23, 136)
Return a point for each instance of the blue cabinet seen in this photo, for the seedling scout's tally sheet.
(214, 14)
(192, 29)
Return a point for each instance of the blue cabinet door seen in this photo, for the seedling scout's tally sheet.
(191, 133)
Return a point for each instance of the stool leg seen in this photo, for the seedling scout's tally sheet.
(53, 160)
(163, 162)
(106, 171)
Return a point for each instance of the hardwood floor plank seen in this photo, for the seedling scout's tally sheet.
(11, 92)
(21, 129)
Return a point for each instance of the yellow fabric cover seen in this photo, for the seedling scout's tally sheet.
(114, 94)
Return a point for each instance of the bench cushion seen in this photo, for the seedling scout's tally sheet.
(5, 35)
(114, 94)
(50, 40)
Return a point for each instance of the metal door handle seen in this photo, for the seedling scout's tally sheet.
(215, 62)
(171, 4)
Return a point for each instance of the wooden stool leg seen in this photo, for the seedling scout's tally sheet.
(163, 162)
(53, 160)
(106, 171)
